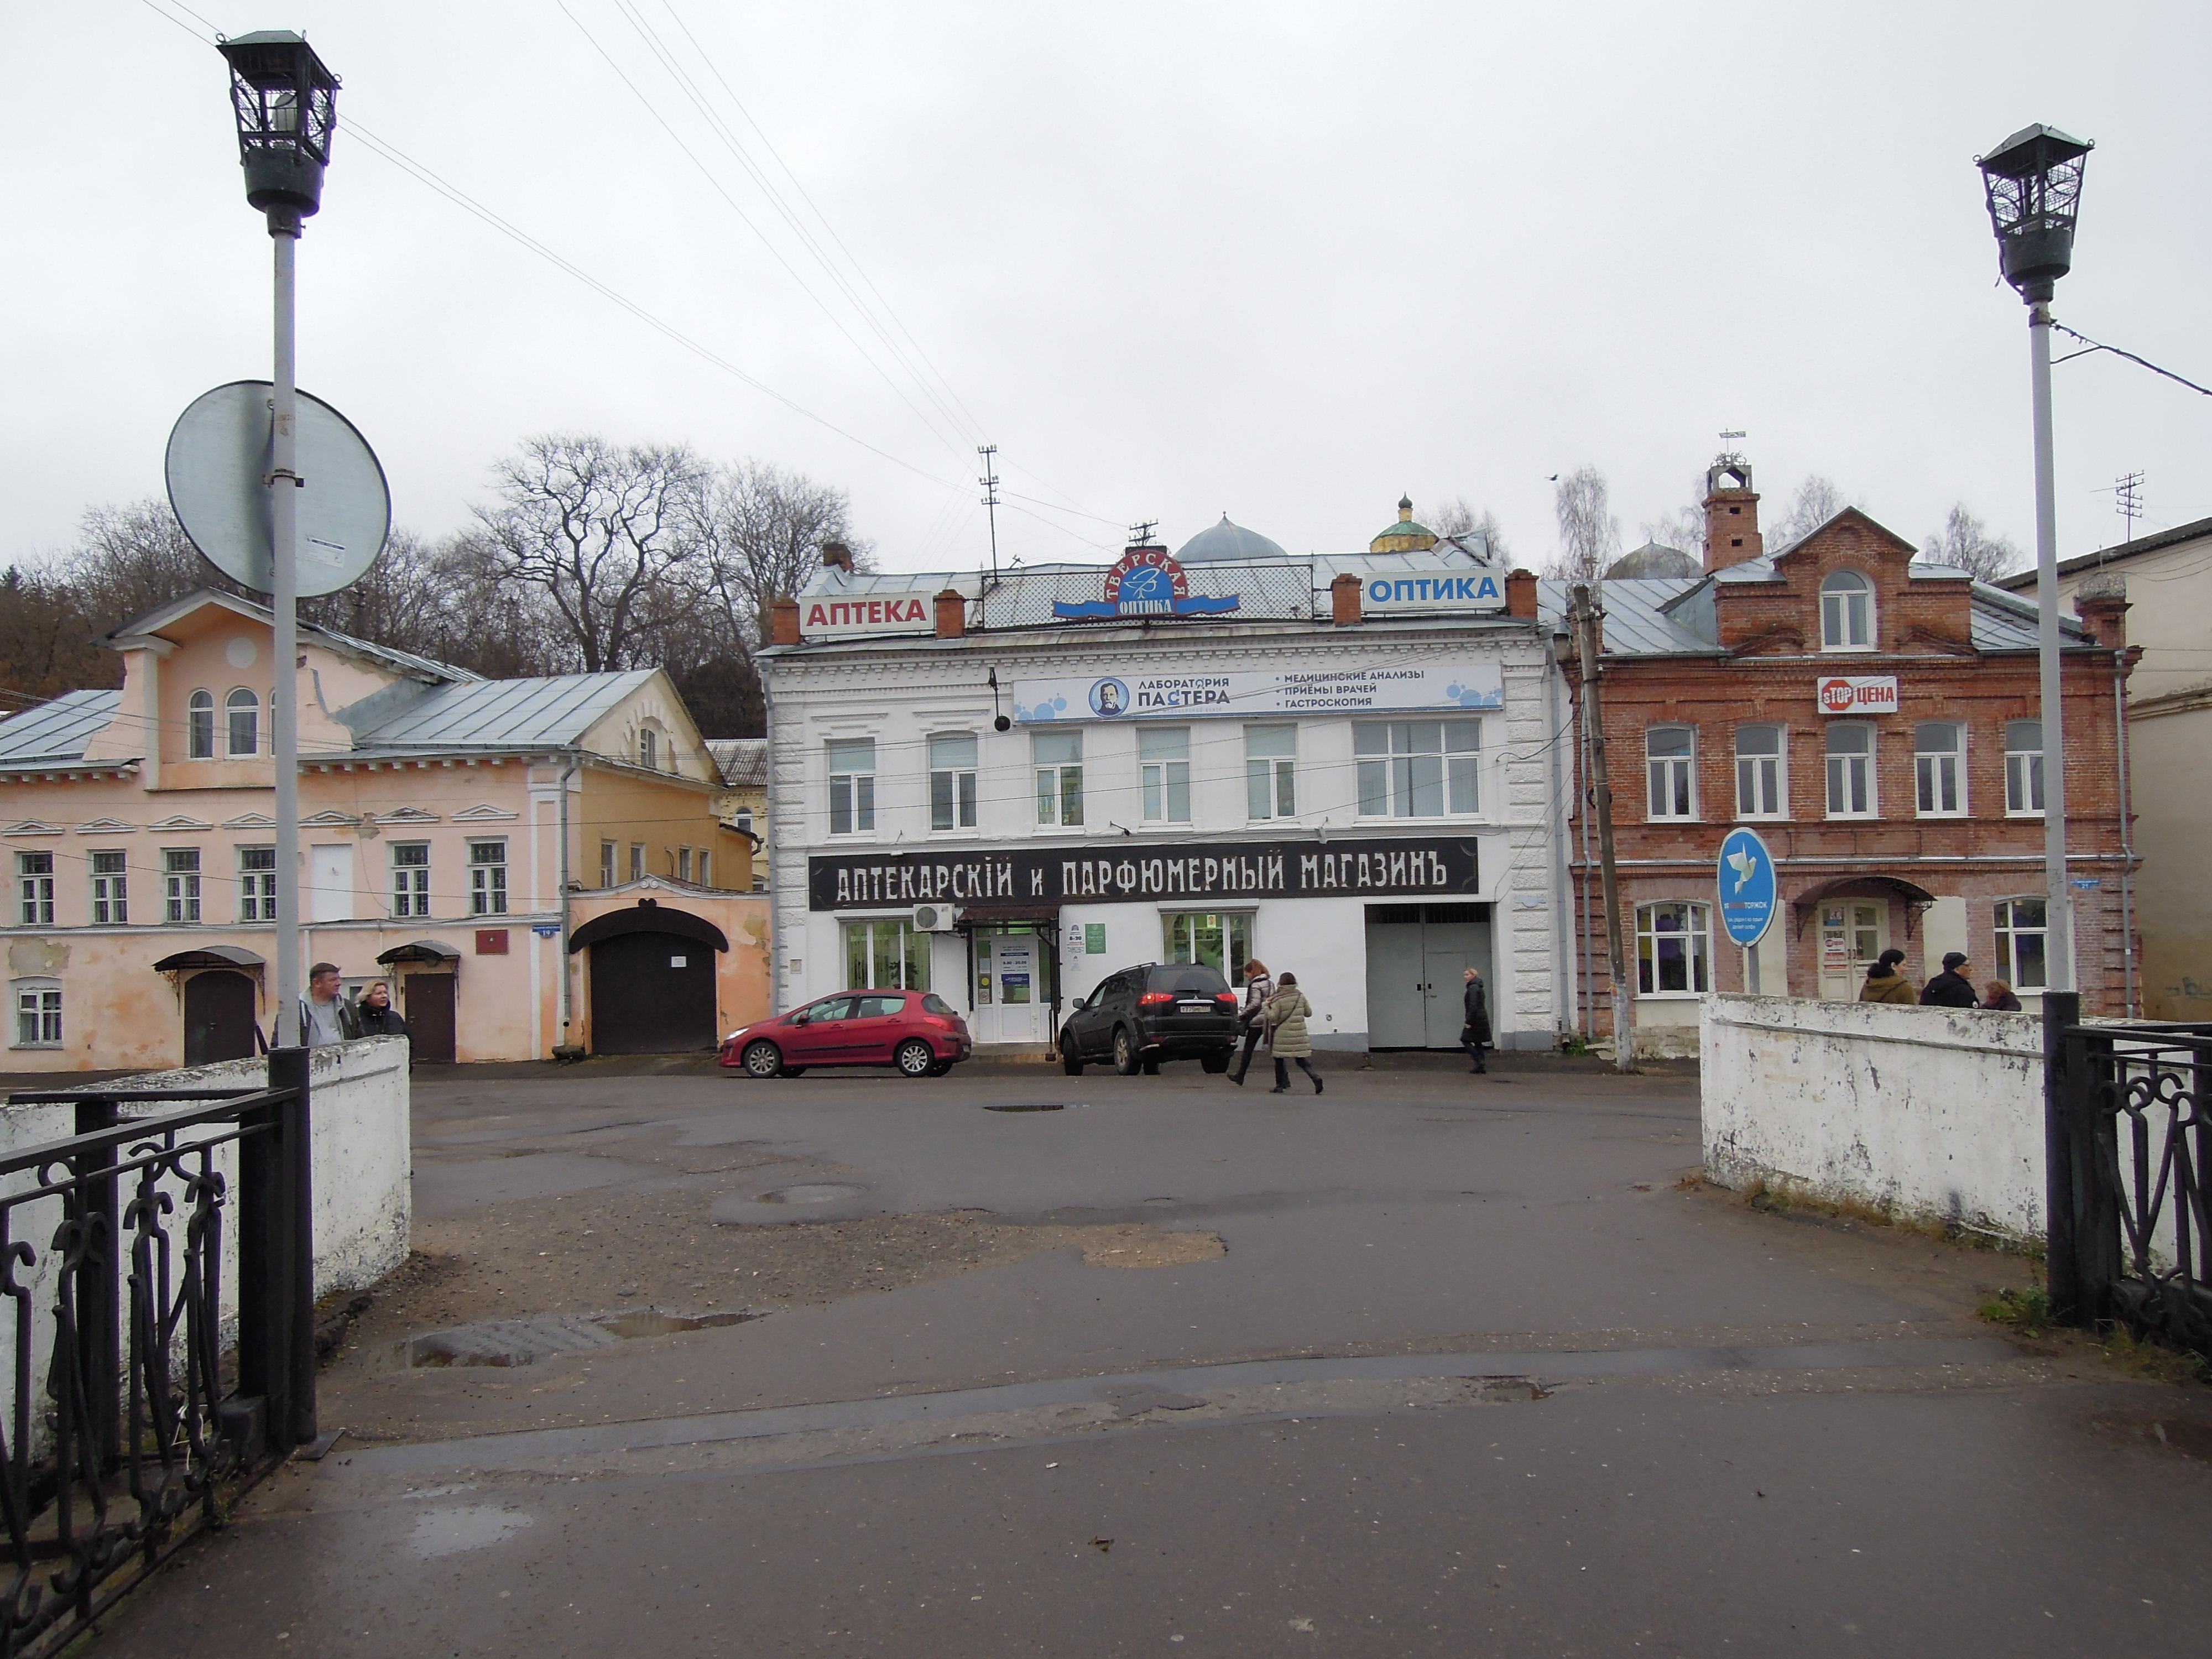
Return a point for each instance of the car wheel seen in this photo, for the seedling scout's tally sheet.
(764, 1059)
(1125, 1053)
(915, 1057)
(1215, 1065)
(940, 1068)
(1071, 1057)
(1151, 1068)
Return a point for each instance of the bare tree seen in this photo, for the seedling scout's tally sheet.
(1589, 536)
(613, 536)
(768, 528)
(1965, 542)
(1457, 519)
(1817, 501)
(46, 640)
(130, 558)
(1683, 529)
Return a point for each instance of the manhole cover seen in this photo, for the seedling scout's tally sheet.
(814, 1192)
(505, 1342)
(1039, 1106)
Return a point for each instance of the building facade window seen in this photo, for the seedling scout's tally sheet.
(34, 886)
(1761, 790)
(1670, 757)
(1270, 772)
(411, 876)
(1163, 758)
(181, 883)
(1221, 940)
(1846, 612)
(648, 749)
(705, 868)
(256, 884)
(1851, 770)
(885, 954)
(2024, 769)
(1674, 950)
(852, 786)
(243, 710)
(2022, 931)
(111, 888)
(199, 725)
(637, 860)
(952, 782)
(38, 1013)
(1419, 769)
(683, 863)
(1938, 746)
(606, 863)
(1057, 757)
(487, 877)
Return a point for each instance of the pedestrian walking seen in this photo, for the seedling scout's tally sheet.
(1997, 998)
(1258, 986)
(1885, 981)
(1950, 989)
(378, 1016)
(1287, 1040)
(326, 1016)
(1474, 1035)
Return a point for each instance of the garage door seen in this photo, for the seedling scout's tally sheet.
(652, 994)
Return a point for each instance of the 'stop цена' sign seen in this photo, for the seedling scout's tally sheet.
(825, 615)
(1845, 694)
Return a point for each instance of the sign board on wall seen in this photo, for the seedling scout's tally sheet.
(1181, 693)
(1848, 693)
(1146, 582)
(1441, 590)
(1747, 883)
(828, 616)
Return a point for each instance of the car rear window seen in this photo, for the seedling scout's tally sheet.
(937, 1004)
(1195, 978)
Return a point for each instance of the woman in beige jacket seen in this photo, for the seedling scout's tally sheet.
(1287, 1040)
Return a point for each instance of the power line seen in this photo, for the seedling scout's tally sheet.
(2096, 346)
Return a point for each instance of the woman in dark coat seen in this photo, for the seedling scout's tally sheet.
(378, 1016)
(1474, 1036)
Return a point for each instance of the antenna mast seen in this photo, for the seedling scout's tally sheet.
(2127, 500)
(990, 483)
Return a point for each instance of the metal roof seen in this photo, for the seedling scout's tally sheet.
(743, 762)
(2154, 543)
(55, 731)
(1647, 618)
(519, 714)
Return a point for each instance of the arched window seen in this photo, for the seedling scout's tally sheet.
(245, 711)
(1846, 612)
(648, 748)
(199, 725)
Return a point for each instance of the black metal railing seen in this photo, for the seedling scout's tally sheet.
(2128, 1147)
(134, 1406)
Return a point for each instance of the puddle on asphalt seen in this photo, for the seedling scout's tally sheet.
(508, 1342)
(812, 1192)
(1042, 1106)
(468, 1527)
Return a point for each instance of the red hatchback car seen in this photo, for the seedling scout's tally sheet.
(918, 1031)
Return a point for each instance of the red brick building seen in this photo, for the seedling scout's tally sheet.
(1876, 720)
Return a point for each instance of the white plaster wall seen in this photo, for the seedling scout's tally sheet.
(1936, 1114)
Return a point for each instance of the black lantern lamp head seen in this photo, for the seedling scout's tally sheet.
(287, 105)
(2034, 183)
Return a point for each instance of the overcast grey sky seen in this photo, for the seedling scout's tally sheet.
(1284, 260)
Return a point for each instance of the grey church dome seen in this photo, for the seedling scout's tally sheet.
(1224, 542)
(1653, 560)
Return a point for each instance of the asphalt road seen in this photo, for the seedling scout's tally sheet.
(1429, 1364)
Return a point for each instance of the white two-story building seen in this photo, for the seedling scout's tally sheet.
(1349, 766)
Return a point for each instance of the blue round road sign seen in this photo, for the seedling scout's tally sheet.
(1747, 888)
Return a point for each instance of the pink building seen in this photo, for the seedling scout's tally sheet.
(531, 863)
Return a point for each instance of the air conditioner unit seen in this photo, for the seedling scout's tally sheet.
(932, 918)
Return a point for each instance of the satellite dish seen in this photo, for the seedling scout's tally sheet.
(217, 468)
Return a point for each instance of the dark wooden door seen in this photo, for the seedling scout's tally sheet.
(429, 1013)
(652, 994)
(218, 1017)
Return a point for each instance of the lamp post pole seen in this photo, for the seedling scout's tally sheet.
(2058, 913)
(284, 691)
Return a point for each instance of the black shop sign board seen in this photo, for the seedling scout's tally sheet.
(1393, 867)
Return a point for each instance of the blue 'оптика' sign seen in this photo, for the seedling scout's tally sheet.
(1747, 886)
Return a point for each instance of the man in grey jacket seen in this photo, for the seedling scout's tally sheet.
(326, 1016)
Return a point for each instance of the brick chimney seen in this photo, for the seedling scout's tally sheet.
(838, 554)
(1344, 599)
(783, 622)
(1731, 514)
(1521, 594)
(2101, 601)
(951, 615)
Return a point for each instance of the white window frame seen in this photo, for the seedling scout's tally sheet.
(1271, 773)
(110, 887)
(1767, 774)
(410, 882)
(233, 712)
(683, 864)
(199, 725)
(609, 853)
(1390, 761)
(488, 876)
(1164, 772)
(2009, 931)
(1698, 959)
(34, 1011)
(952, 772)
(1840, 765)
(853, 787)
(637, 860)
(648, 748)
(35, 889)
(1842, 592)
(705, 868)
(1933, 769)
(1060, 803)
(913, 952)
(1671, 779)
(2024, 773)
(180, 887)
(256, 884)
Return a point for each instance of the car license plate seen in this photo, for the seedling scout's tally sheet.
(1196, 1007)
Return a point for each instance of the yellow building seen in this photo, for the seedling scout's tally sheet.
(743, 801)
(532, 863)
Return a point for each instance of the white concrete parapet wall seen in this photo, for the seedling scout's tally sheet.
(1932, 1114)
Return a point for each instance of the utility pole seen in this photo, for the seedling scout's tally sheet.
(1586, 617)
(2127, 500)
(990, 483)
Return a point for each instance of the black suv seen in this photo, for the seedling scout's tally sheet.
(1142, 1016)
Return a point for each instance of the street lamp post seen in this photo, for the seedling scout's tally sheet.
(286, 102)
(2034, 181)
